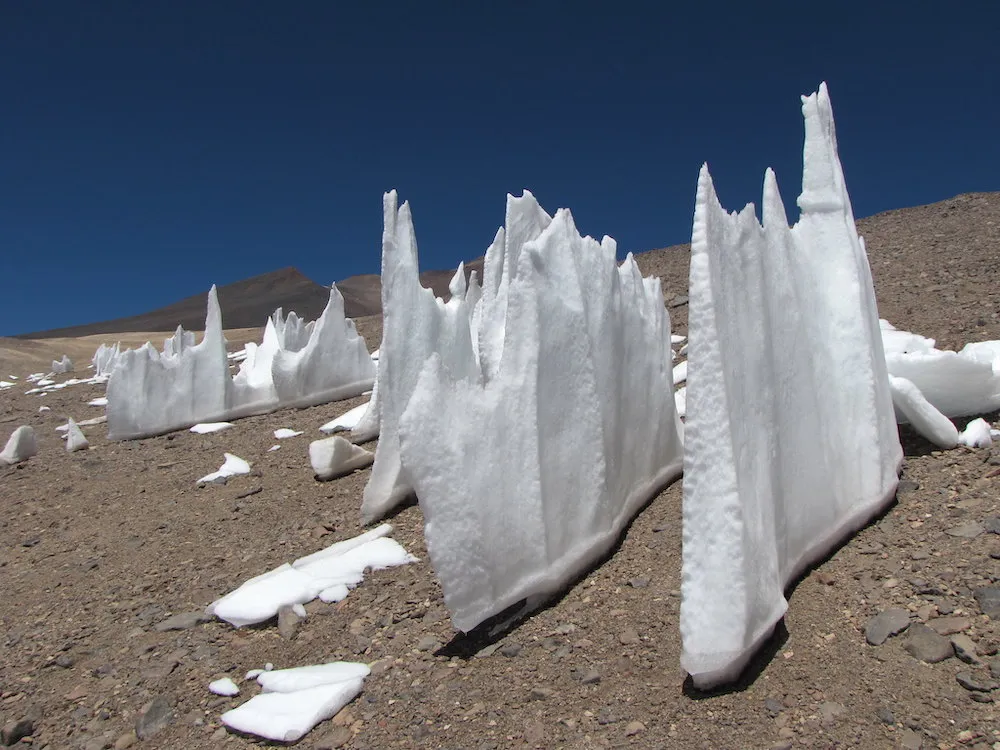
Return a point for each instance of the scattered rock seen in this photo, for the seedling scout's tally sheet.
(335, 738)
(906, 485)
(606, 716)
(488, 651)
(965, 649)
(970, 682)
(590, 677)
(949, 625)
(967, 530)
(125, 741)
(885, 624)
(910, 740)
(830, 711)
(633, 728)
(428, 643)
(541, 693)
(14, 731)
(510, 650)
(181, 621)
(155, 717)
(989, 601)
(628, 637)
(639, 583)
(288, 622)
(926, 645)
(992, 524)
(773, 707)
(885, 716)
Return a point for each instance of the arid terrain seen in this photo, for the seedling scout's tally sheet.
(100, 547)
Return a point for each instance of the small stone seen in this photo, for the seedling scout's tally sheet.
(628, 637)
(512, 649)
(590, 677)
(924, 644)
(288, 623)
(541, 693)
(970, 682)
(488, 651)
(125, 741)
(181, 621)
(64, 660)
(965, 648)
(830, 711)
(967, 530)
(992, 524)
(910, 740)
(906, 485)
(335, 738)
(989, 601)
(679, 301)
(885, 716)
(995, 669)
(639, 583)
(774, 707)
(825, 578)
(606, 716)
(885, 624)
(154, 718)
(633, 728)
(428, 643)
(14, 731)
(949, 625)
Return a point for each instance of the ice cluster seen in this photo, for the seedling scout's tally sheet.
(296, 364)
(62, 366)
(790, 437)
(533, 416)
(930, 385)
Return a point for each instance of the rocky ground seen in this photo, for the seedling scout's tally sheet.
(891, 642)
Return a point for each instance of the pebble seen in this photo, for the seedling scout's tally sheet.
(125, 741)
(510, 650)
(992, 524)
(541, 693)
(965, 649)
(988, 599)
(181, 621)
(590, 677)
(288, 623)
(885, 716)
(970, 682)
(886, 624)
(924, 644)
(334, 739)
(830, 711)
(428, 643)
(949, 625)
(155, 717)
(628, 637)
(906, 485)
(14, 731)
(633, 728)
(967, 530)
(910, 740)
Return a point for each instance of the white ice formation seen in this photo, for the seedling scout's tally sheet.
(105, 360)
(295, 700)
(415, 325)
(350, 421)
(977, 434)
(282, 433)
(224, 686)
(790, 439)
(328, 574)
(62, 366)
(207, 428)
(296, 365)
(75, 439)
(21, 446)
(535, 416)
(100, 401)
(231, 467)
(334, 457)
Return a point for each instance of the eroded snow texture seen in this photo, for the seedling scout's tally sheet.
(543, 415)
(977, 434)
(790, 438)
(296, 365)
(62, 366)
(282, 433)
(328, 574)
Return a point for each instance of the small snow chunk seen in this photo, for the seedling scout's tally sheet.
(287, 717)
(83, 423)
(284, 432)
(347, 421)
(62, 366)
(334, 457)
(44, 409)
(303, 678)
(45, 381)
(976, 434)
(233, 466)
(680, 401)
(204, 428)
(225, 686)
(680, 373)
(299, 610)
(268, 667)
(910, 404)
(6, 384)
(75, 439)
(253, 673)
(340, 566)
(20, 446)
(273, 448)
(102, 401)
(676, 338)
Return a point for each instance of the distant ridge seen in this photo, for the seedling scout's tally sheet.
(248, 303)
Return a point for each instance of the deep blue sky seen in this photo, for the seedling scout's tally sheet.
(153, 147)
